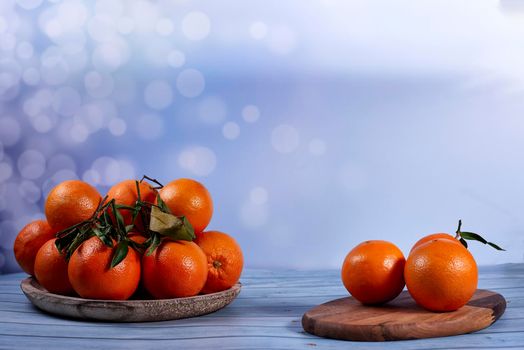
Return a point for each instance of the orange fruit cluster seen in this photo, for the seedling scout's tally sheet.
(440, 273)
(106, 248)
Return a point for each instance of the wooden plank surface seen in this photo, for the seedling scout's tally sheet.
(266, 315)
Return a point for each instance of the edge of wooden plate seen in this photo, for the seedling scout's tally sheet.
(127, 310)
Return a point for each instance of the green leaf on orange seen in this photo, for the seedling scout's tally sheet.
(166, 224)
(120, 253)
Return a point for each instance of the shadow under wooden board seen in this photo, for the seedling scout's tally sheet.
(127, 310)
(401, 319)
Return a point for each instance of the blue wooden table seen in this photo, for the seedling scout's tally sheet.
(266, 315)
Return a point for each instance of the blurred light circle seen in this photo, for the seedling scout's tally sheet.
(42, 123)
(101, 28)
(91, 176)
(258, 30)
(7, 41)
(285, 138)
(31, 164)
(31, 107)
(258, 195)
(127, 170)
(5, 171)
(29, 191)
(145, 15)
(317, 147)
(212, 110)
(254, 215)
(196, 25)
(9, 131)
(231, 130)
(108, 168)
(250, 113)
(158, 94)
(55, 69)
(117, 127)
(125, 25)
(109, 57)
(29, 4)
(165, 27)
(281, 40)
(77, 59)
(149, 126)
(53, 28)
(66, 101)
(176, 58)
(31, 76)
(91, 115)
(24, 50)
(61, 161)
(113, 8)
(98, 85)
(10, 74)
(199, 160)
(157, 51)
(79, 132)
(190, 83)
(44, 98)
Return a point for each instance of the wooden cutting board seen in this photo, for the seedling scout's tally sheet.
(401, 318)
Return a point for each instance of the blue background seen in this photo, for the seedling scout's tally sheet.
(315, 125)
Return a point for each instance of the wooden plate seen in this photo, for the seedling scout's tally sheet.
(401, 318)
(126, 310)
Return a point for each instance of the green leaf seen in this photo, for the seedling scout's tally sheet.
(464, 243)
(495, 246)
(162, 204)
(155, 242)
(472, 236)
(118, 216)
(176, 228)
(120, 253)
(103, 236)
(129, 228)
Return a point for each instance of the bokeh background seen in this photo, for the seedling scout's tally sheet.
(315, 124)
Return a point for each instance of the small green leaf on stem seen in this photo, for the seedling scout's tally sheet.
(471, 236)
(120, 253)
(155, 242)
(495, 246)
(176, 228)
(162, 204)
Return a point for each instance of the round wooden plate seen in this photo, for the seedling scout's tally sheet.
(127, 310)
(401, 318)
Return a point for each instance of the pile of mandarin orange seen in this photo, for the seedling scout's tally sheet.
(440, 273)
(147, 264)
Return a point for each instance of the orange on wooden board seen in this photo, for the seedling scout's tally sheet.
(51, 269)
(29, 240)
(189, 198)
(441, 275)
(224, 260)
(92, 277)
(70, 203)
(174, 269)
(125, 193)
(432, 237)
(373, 272)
